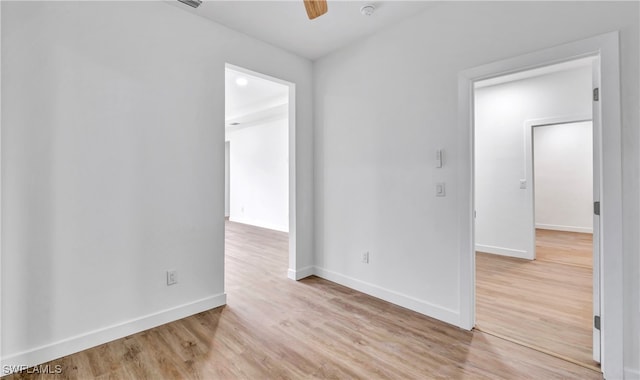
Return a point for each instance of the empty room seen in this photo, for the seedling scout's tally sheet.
(319, 189)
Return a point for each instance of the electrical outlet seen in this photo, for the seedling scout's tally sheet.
(172, 277)
(365, 257)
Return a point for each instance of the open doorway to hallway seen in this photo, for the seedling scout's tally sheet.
(257, 154)
(534, 192)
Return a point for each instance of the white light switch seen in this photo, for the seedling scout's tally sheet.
(523, 183)
(440, 189)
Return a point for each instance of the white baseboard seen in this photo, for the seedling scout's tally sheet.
(103, 335)
(584, 230)
(504, 251)
(259, 224)
(409, 302)
(300, 273)
(631, 373)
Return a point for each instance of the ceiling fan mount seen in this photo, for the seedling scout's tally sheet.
(315, 8)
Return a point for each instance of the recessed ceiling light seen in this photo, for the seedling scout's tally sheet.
(242, 81)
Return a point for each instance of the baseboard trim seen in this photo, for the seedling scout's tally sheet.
(103, 335)
(584, 230)
(503, 251)
(258, 224)
(631, 373)
(300, 273)
(409, 302)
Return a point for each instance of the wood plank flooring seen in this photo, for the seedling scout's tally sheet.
(569, 248)
(276, 328)
(546, 303)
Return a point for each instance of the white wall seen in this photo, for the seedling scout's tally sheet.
(113, 168)
(504, 220)
(260, 175)
(385, 104)
(563, 162)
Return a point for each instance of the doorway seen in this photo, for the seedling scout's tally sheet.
(521, 195)
(259, 147)
(607, 123)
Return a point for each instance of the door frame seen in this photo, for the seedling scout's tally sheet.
(606, 48)
(227, 179)
(529, 170)
(291, 272)
(596, 133)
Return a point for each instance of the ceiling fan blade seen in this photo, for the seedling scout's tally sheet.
(315, 8)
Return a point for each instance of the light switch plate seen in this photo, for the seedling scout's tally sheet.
(440, 189)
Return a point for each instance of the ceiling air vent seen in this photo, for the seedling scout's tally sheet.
(191, 3)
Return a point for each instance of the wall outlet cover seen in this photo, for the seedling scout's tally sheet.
(172, 277)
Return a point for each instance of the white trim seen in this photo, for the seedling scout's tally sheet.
(466, 204)
(293, 198)
(300, 273)
(553, 227)
(518, 253)
(605, 46)
(103, 335)
(293, 192)
(411, 303)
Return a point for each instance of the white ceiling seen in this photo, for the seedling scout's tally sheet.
(285, 23)
(258, 101)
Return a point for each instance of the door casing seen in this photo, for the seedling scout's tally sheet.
(292, 273)
(606, 48)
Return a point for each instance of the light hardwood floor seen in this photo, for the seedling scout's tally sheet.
(546, 303)
(276, 328)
